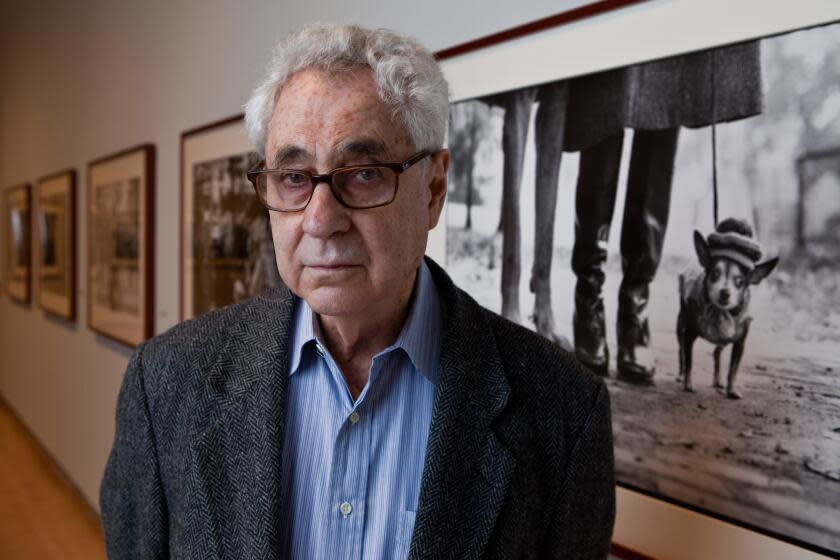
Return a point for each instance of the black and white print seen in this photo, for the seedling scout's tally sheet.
(233, 253)
(585, 209)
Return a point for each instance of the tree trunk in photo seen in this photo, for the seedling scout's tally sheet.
(514, 135)
(469, 196)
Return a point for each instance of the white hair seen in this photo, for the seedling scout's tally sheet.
(408, 77)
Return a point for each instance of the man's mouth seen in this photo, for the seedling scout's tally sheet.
(331, 266)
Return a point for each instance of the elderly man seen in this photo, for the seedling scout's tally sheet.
(371, 409)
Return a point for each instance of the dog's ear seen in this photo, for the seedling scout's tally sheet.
(763, 270)
(702, 249)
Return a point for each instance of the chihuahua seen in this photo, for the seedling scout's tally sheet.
(714, 301)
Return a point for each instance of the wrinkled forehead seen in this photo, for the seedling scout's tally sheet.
(337, 115)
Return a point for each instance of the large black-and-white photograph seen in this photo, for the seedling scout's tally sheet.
(676, 224)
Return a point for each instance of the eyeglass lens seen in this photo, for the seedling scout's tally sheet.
(357, 187)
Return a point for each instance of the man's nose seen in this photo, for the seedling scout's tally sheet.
(324, 216)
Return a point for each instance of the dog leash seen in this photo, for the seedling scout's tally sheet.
(714, 143)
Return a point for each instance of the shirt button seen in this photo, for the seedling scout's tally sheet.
(346, 509)
(354, 418)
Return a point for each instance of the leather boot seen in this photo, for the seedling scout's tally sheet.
(589, 328)
(642, 235)
(594, 204)
(636, 363)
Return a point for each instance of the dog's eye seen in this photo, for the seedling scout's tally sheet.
(739, 282)
(715, 275)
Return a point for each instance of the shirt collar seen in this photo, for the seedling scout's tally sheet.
(420, 337)
(304, 333)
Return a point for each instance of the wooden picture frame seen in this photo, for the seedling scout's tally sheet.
(56, 244)
(227, 254)
(472, 71)
(17, 223)
(120, 267)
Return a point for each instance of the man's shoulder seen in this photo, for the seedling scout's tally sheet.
(195, 345)
(534, 366)
(201, 336)
(550, 391)
(540, 366)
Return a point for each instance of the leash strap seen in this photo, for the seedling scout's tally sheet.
(714, 144)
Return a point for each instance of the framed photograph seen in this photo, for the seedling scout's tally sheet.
(227, 253)
(120, 271)
(56, 244)
(18, 222)
(590, 204)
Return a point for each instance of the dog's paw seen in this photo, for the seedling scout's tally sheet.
(733, 394)
(688, 388)
(717, 385)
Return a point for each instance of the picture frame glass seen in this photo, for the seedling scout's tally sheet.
(118, 251)
(18, 242)
(55, 243)
(226, 244)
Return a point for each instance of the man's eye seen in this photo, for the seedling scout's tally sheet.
(367, 175)
(292, 179)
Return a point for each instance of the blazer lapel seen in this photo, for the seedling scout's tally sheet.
(468, 467)
(239, 433)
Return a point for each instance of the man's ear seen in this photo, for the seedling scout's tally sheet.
(701, 248)
(763, 270)
(437, 181)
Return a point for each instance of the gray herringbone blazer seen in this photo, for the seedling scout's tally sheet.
(519, 461)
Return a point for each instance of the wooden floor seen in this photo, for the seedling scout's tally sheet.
(42, 516)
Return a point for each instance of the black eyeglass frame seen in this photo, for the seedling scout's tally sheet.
(397, 167)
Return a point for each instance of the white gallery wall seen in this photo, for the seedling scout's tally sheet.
(79, 80)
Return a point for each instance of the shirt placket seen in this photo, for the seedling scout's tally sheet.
(348, 485)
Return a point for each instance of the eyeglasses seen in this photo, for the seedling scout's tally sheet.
(356, 186)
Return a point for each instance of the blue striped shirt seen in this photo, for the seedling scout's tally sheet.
(351, 470)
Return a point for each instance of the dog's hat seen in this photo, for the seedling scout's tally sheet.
(733, 239)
